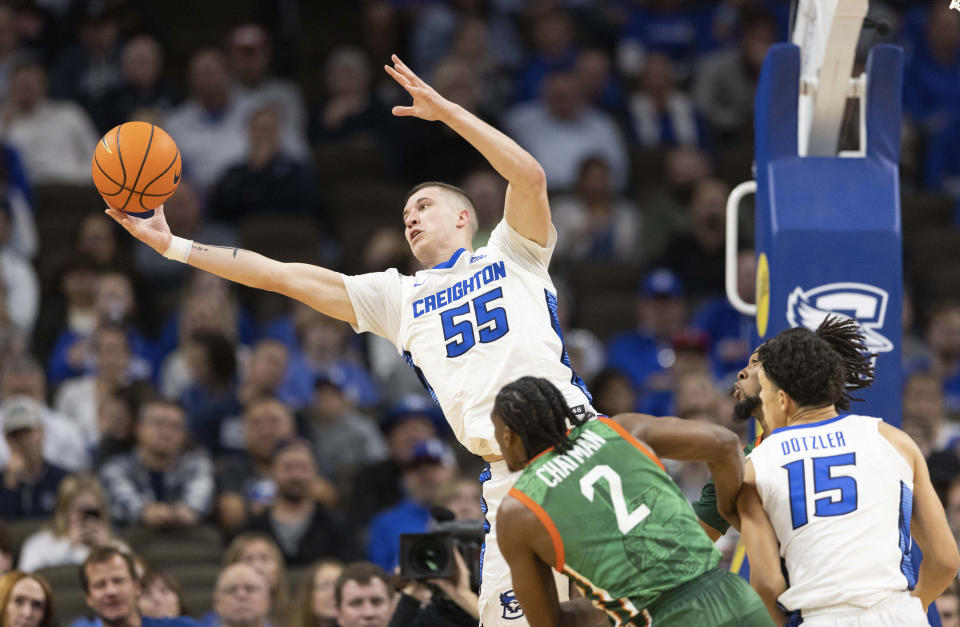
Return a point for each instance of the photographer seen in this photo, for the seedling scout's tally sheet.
(79, 524)
(438, 602)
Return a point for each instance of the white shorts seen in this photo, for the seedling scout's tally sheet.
(498, 604)
(899, 610)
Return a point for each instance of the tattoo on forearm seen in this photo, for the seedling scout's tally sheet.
(206, 247)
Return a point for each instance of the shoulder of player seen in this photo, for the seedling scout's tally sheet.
(900, 441)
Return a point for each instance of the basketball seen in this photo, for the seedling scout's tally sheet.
(136, 166)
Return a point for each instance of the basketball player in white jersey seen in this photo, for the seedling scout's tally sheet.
(470, 322)
(840, 497)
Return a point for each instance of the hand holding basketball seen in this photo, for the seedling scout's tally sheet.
(152, 231)
(136, 167)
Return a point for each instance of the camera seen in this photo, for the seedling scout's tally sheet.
(430, 555)
(90, 512)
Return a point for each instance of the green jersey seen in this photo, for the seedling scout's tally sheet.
(621, 528)
(706, 507)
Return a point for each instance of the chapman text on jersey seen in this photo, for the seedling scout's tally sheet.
(560, 467)
(487, 274)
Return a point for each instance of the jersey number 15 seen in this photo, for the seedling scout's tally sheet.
(823, 481)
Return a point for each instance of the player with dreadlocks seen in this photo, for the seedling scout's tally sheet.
(844, 336)
(596, 504)
(837, 496)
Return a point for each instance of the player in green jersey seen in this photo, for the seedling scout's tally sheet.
(597, 505)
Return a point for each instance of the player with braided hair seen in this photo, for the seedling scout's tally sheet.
(597, 505)
(839, 497)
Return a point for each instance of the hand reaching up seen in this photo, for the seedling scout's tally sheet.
(152, 231)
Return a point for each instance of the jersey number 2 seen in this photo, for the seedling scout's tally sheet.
(460, 335)
(823, 480)
(625, 520)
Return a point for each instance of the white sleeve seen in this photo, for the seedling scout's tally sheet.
(518, 248)
(377, 300)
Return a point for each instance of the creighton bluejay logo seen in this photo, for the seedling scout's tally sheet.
(858, 301)
(511, 607)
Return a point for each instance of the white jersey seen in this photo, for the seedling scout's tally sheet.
(839, 496)
(471, 325)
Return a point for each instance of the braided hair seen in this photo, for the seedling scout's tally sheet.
(845, 338)
(536, 410)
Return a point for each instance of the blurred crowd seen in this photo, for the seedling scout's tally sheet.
(140, 397)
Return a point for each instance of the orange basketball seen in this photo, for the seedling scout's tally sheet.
(136, 166)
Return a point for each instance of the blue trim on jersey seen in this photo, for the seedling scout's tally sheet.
(449, 262)
(564, 357)
(811, 424)
(408, 359)
(485, 475)
(906, 512)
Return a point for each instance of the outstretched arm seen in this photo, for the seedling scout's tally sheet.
(320, 288)
(695, 440)
(526, 208)
(763, 550)
(929, 525)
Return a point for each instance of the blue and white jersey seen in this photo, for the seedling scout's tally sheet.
(839, 496)
(471, 325)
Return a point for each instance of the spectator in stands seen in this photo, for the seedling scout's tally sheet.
(30, 482)
(81, 521)
(53, 137)
(661, 114)
(97, 238)
(75, 354)
(112, 590)
(613, 392)
(72, 308)
(87, 70)
(931, 94)
(364, 596)
(350, 112)
(729, 330)
(80, 398)
(943, 337)
(669, 27)
(26, 600)
(254, 86)
(17, 195)
(923, 406)
(7, 549)
(21, 285)
(689, 353)
(141, 88)
(561, 130)
(244, 483)
(450, 602)
(316, 604)
(162, 596)
(409, 421)
(241, 598)
(63, 439)
(13, 341)
(260, 552)
(160, 483)
(117, 418)
(300, 525)
(268, 181)
(10, 46)
(324, 351)
(487, 190)
(210, 127)
(948, 606)
(344, 438)
(211, 399)
(491, 46)
(697, 256)
(554, 50)
(600, 85)
(648, 350)
(594, 222)
(726, 80)
(431, 466)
